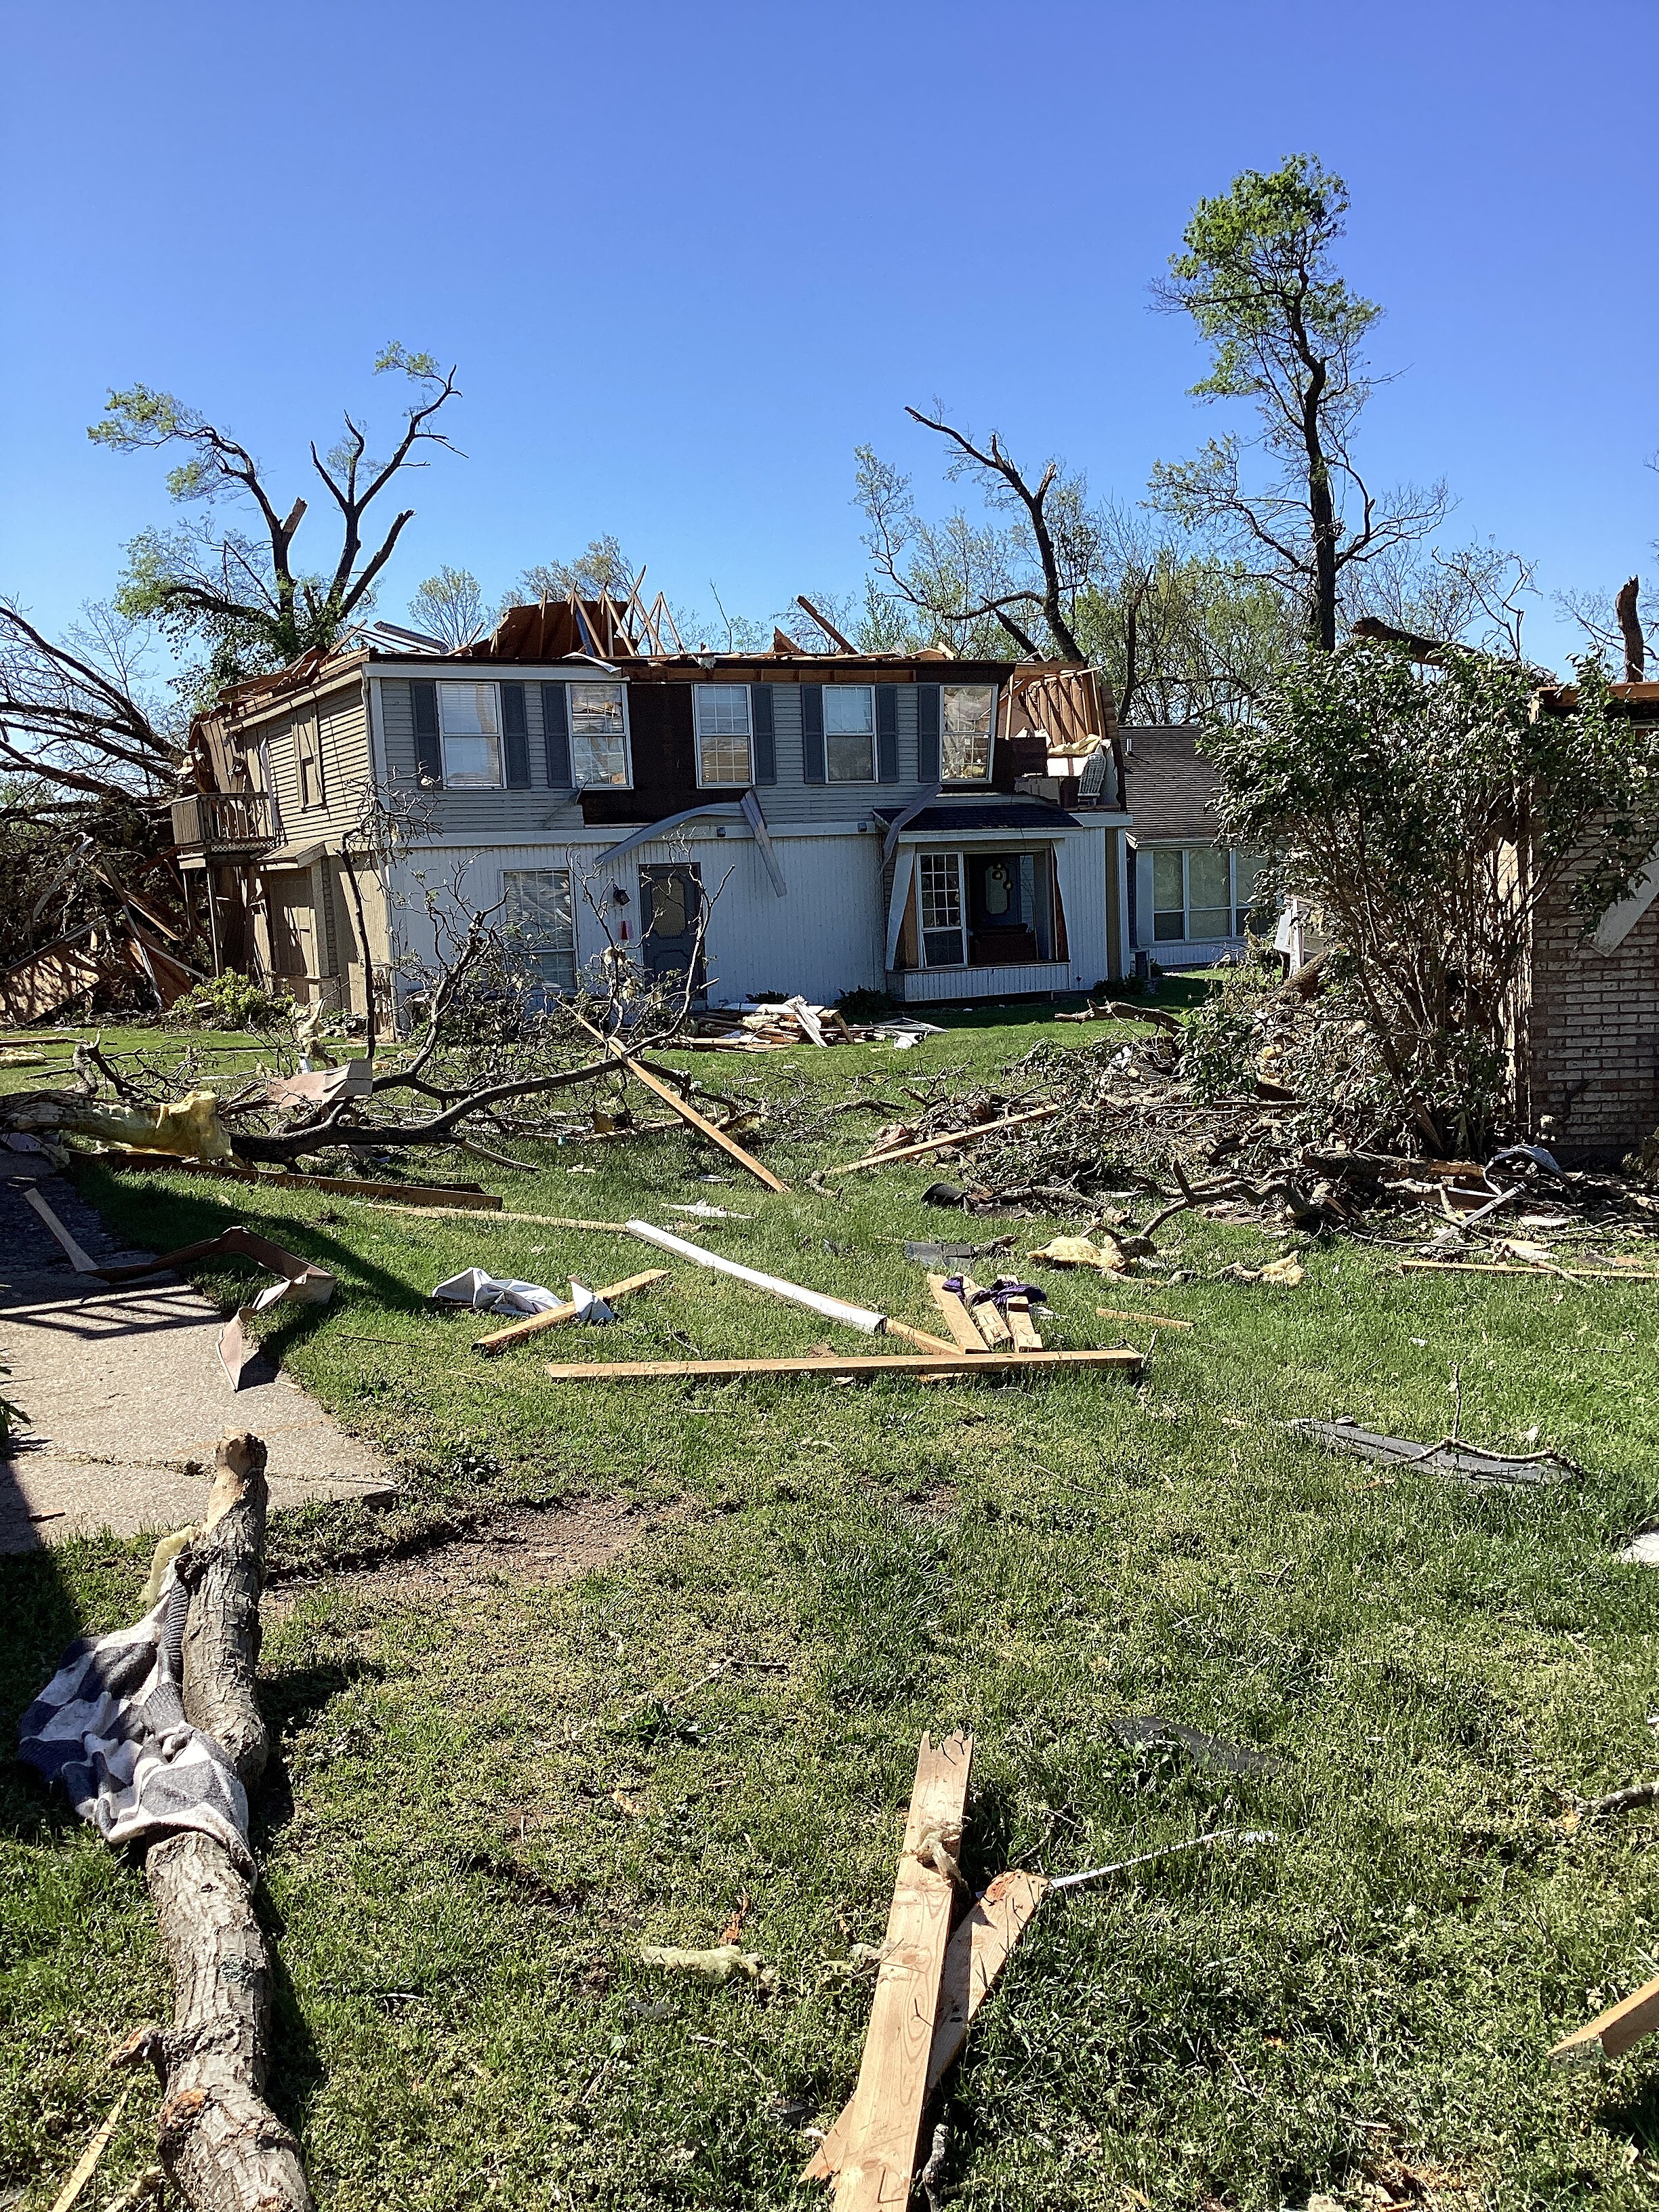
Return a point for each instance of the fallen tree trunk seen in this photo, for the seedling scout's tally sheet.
(222, 2146)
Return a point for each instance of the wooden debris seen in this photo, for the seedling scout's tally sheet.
(1115, 1011)
(861, 1368)
(688, 1113)
(87, 2164)
(958, 1320)
(1022, 1327)
(880, 2156)
(498, 1221)
(919, 1337)
(970, 1136)
(988, 1318)
(974, 1958)
(72, 1251)
(1611, 2032)
(556, 1316)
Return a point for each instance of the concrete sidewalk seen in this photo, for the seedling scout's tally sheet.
(125, 1395)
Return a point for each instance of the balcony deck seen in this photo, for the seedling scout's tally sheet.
(236, 823)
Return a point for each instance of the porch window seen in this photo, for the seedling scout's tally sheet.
(969, 711)
(939, 875)
(470, 724)
(540, 927)
(724, 750)
(599, 736)
(849, 732)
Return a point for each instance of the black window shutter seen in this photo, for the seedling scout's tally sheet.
(428, 747)
(515, 731)
(887, 733)
(928, 707)
(760, 721)
(556, 721)
(811, 733)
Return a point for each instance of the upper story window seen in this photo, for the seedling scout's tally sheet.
(849, 732)
(470, 724)
(308, 762)
(969, 713)
(599, 735)
(725, 739)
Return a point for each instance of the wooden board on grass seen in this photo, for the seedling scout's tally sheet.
(975, 1957)
(862, 1367)
(958, 1319)
(1612, 2031)
(689, 1115)
(556, 1316)
(881, 2141)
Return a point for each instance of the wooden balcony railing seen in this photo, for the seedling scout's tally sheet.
(222, 822)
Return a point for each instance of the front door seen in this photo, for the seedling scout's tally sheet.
(670, 906)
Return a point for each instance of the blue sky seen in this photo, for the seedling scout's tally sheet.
(688, 257)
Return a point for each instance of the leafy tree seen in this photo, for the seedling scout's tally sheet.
(600, 566)
(449, 605)
(1258, 278)
(243, 593)
(1426, 813)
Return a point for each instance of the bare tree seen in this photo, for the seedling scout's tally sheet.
(964, 578)
(244, 592)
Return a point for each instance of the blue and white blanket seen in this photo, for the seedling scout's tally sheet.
(110, 1726)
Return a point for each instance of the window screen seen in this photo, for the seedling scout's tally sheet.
(1168, 895)
(470, 721)
(540, 930)
(969, 709)
(939, 877)
(723, 744)
(849, 732)
(599, 735)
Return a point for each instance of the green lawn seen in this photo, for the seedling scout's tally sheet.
(490, 1793)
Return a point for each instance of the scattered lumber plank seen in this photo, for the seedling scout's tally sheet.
(938, 1144)
(958, 1319)
(499, 1220)
(464, 1197)
(72, 1251)
(862, 1367)
(688, 1113)
(87, 2165)
(1022, 1327)
(1612, 2031)
(556, 1316)
(880, 2156)
(975, 1956)
(988, 1318)
(919, 1337)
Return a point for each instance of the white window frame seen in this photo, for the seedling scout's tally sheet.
(925, 862)
(702, 692)
(990, 742)
(534, 953)
(447, 686)
(830, 690)
(1183, 853)
(580, 738)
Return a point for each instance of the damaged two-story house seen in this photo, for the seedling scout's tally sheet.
(843, 820)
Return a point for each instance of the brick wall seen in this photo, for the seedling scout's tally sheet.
(1588, 1048)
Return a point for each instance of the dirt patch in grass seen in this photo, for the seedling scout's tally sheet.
(520, 1544)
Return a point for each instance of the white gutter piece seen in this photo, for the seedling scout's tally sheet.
(858, 1317)
(720, 810)
(751, 809)
(901, 898)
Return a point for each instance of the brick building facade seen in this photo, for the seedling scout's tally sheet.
(1587, 1060)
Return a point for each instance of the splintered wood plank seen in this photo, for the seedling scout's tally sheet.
(863, 1367)
(919, 1337)
(689, 1115)
(1611, 2032)
(556, 1316)
(987, 1318)
(943, 1144)
(892, 2087)
(972, 1962)
(958, 1319)
(1026, 1339)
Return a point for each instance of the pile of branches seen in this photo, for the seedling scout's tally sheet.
(492, 1058)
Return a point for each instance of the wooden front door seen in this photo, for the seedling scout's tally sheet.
(670, 906)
